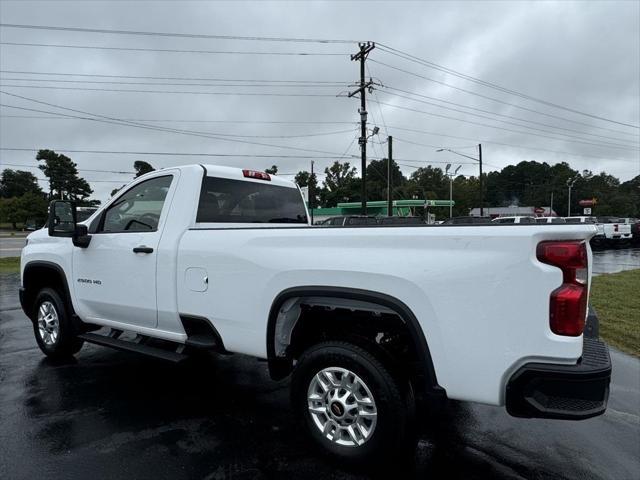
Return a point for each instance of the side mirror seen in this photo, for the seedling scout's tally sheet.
(62, 223)
(81, 238)
(62, 218)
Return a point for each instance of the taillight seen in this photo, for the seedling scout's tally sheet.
(257, 175)
(568, 302)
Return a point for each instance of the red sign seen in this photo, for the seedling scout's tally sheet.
(588, 203)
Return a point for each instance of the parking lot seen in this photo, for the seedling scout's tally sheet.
(110, 414)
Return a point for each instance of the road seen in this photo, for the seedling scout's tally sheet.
(112, 414)
(11, 246)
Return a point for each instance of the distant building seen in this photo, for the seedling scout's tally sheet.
(401, 208)
(513, 211)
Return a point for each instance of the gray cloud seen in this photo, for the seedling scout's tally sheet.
(584, 55)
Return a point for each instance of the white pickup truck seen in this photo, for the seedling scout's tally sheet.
(376, 324)
(611, 231)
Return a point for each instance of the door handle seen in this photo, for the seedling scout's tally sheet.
(142, 249)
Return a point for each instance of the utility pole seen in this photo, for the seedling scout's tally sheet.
(481, 181)
(389, 191)
(361, 56)
(551, 206)
(570, 184)
(311, 192)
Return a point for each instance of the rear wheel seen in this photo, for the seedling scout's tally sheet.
(52, 326)
(351, 405)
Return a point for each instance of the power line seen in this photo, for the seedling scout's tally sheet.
(426, 63)
(119, 90)
(579, 139)
(54, 116)
(496, 114)
(115, 121)
(491, 126)
(162, 84)
(176, 154)
(497, 100)
(174, 34)
(88, 180)
(173, 50)
(146, 77)
(304, 135)
(375, 93)
(410, 160)
(437, 134)
(79, 169)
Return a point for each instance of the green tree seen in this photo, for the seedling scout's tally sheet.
(340, 184)
(272, 171)
(16, 210)
(305, 179)
(630, 191)
(62, 173)
(377, 180)
(15, 183)
(429, 183)
(141, 167)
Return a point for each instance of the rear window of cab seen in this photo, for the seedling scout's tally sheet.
(224, 200)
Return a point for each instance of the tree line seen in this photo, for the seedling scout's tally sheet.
(529, 183)
(22, 198)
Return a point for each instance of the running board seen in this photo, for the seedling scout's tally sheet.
(132, 346)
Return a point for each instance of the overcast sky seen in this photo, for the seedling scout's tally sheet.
(583, 56)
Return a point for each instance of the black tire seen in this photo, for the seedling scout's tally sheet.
(66, 344)
(393, 436)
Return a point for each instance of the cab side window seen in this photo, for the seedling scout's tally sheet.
(139, 209)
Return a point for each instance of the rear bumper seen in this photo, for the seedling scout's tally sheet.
(569, 392)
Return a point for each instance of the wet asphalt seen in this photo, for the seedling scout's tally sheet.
(11, 245)
(614, 260)
(111, 414)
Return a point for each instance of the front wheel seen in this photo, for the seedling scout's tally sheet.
(52, 326)
(351, 405)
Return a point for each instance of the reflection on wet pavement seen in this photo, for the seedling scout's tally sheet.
(111, 414)
(616, 260)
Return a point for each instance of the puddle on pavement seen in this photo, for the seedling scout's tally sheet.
(615, 260)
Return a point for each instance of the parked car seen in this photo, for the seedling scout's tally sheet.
(616, 231)
(612, 231)
(376, 326)
(345, 220)
(466, 221)
(401, 221)
(546, 220)
(31, 225)
(514, 219)
(599, 239)
(635, 229)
